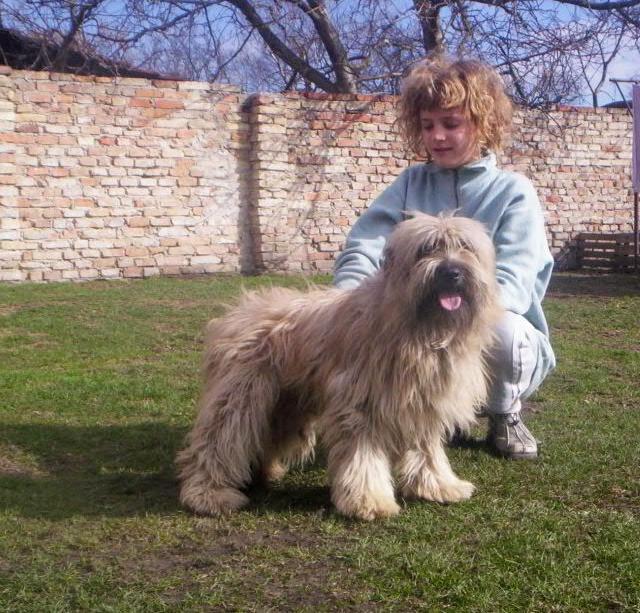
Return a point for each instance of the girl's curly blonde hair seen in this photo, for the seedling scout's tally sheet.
(439, 82)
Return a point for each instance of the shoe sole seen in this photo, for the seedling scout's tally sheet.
(516, 456)
(529, 455)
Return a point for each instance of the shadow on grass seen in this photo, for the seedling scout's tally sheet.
(126, 471)
(470, 442)
(285, 497)
(475, 444)
(56, 472)
(605, 285)
(86, 471)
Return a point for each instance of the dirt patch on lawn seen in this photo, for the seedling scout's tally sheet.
(277, 568)
(13, 468)
(9, 309)
(623, 499)
(13, 464)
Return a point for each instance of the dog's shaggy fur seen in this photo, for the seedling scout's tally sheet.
(382, 373)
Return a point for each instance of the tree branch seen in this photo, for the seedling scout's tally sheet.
(335, 49)
(77, 21)
(280, 49)
(428, 13)
(585, 4)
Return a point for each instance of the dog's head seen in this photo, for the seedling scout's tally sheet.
(445, 268)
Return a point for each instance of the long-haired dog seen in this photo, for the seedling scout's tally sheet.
(382, 373)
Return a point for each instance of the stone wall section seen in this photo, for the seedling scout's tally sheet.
(124, 178)
(579, 159)
(333, 154)
(107, 178)
(323, 159)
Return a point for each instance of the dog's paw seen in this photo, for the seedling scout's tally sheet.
(456, 491)
(367, 508)
(274, 471)
(437, 490)
(220, 501)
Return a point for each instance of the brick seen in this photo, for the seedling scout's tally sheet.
(12, 275)
(133, 272)
(89, 273)
(169, 104)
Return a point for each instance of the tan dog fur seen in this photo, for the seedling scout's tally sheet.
(382, 373)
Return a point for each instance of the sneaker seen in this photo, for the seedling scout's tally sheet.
(510, 438)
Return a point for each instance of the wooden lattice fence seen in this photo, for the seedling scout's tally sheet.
(601, 251)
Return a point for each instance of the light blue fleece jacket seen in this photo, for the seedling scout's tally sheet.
(505, 202)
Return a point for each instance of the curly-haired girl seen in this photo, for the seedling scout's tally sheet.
(456, 114)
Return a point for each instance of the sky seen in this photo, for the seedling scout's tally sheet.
(627, 66)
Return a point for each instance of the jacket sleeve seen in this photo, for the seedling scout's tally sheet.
(522, 251)
(365, 242)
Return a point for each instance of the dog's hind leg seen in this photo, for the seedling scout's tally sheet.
(293, 436)
(227, 442)
(427, 474)
(287, 452)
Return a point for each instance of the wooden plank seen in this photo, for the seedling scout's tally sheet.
(625, 250)
(622, 236)
(605, 256)
(601, 250)
(612, 261)
(597, 263)
(605, 251)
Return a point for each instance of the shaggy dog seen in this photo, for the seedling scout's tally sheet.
(383, 373)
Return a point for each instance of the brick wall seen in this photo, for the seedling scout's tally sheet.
(322, 159)
(328, 156)
(107, 178)
(580, 161)
(104, 178)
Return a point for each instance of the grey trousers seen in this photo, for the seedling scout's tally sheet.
(520, 362)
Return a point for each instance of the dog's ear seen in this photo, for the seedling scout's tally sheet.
(386, 259)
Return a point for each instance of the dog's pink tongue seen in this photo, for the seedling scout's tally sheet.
(450, 302)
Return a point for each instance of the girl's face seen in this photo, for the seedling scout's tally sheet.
(450, 137)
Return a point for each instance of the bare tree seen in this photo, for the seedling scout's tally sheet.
(548, 51)
(603, 49)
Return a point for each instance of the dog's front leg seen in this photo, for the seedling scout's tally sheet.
(426, 473)
(361, 481)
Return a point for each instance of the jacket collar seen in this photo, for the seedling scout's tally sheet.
(486, 163)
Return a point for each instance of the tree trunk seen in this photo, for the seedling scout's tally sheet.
(428, 12)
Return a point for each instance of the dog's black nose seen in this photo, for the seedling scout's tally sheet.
(451, 272)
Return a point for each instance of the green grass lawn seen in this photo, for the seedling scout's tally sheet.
(98, 385)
